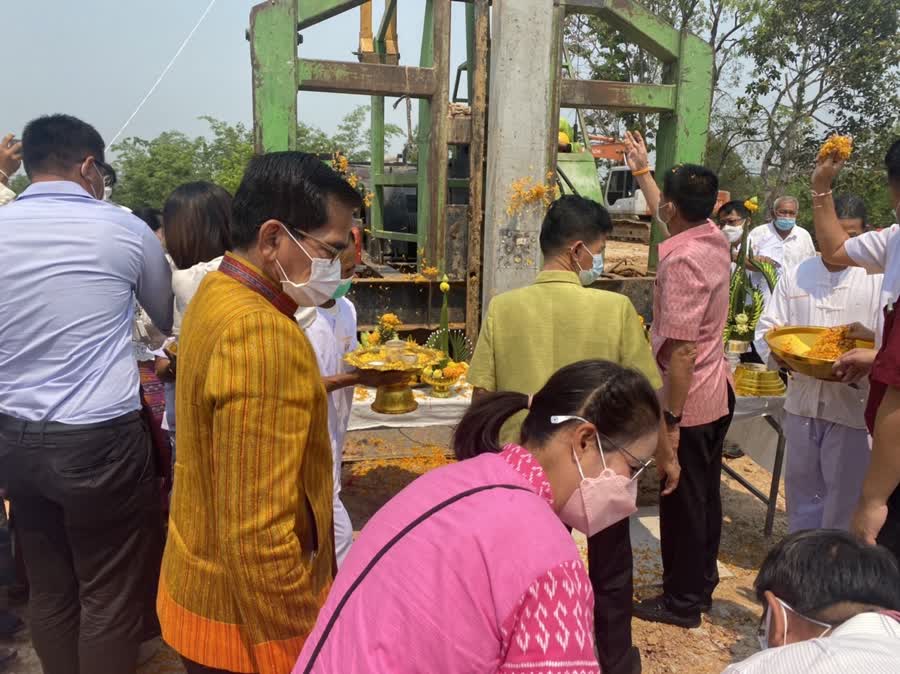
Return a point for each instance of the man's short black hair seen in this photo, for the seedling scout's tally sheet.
(850, 206)
(572, 218)
(892, 162)
(693, 189)
(55, 143)
(736, 206)
(152, 216)
(292, 187)
(814, 570)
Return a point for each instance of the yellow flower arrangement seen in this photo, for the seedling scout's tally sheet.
(341, 165)
(390, 320)
(842, 146)
(752, 204)
(385, 330)
(451, 372)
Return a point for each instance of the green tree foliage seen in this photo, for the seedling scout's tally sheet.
(820, 65)
(786, 75)
(352, 137)
(19, 182)
(149, 170)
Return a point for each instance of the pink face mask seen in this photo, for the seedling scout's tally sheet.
(599, 502)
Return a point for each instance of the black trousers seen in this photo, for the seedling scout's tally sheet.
(691, 518)
(89, 521)
(611, 570)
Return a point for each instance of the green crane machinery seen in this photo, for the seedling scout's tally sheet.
(450, 232)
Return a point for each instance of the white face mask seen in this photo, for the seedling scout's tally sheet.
(105, 191)
(324, 279)
(733, 233)
(766, 629)
(588, 276)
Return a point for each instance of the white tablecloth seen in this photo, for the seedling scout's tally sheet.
(431, 411)
(448, 411)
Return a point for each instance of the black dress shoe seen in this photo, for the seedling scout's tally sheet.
(732, 452)
(655, 610)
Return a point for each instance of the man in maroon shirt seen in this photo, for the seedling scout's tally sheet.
(878, 513)
(690, 308)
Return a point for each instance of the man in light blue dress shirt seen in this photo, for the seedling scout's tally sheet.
(74, 451)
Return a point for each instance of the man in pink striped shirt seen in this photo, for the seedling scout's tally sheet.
(690, 308)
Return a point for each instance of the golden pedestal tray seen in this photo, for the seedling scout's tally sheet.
(753, 379)
(396, 398)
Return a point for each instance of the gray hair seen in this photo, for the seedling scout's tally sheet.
(785, 198)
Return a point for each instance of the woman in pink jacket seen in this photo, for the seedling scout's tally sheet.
(470, 568)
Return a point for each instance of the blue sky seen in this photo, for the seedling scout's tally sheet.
(96, 59)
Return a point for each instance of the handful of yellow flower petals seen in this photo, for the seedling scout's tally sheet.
(842, 146)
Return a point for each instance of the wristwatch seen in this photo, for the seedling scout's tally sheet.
(672, 420)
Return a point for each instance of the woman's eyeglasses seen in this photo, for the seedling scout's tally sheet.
(635, 470)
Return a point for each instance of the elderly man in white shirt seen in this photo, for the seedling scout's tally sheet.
(828, 446)
(780, 241)
(830, 606)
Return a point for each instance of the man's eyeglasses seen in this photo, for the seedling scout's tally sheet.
(332, 252)
(635, 470)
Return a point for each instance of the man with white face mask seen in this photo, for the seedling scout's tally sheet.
(73, 447)
(877, 516)
(531, 332)
(831, 605)
(250, 554)
(780, 241)
(732, 217)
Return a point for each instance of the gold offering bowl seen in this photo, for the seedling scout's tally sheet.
(440, 388)
(396, 398)
(790, 344)
(753, 379)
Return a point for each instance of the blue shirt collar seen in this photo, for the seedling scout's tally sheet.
(55, 187)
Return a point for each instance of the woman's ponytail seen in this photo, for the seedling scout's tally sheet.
(479, 430)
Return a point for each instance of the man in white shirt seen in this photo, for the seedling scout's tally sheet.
(828, 446)
(780, 241)
(332, 334)
(331, 329)
(878, 513)
(830, 606)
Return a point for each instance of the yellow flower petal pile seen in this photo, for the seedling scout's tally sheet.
(840, 145)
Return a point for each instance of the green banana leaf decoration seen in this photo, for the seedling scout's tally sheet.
(759, 303)
(768, 270)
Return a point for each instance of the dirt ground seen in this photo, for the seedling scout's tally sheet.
(381, 463)
(728, 633)
(625, 258)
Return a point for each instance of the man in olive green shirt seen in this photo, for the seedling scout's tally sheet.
(529, 333)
